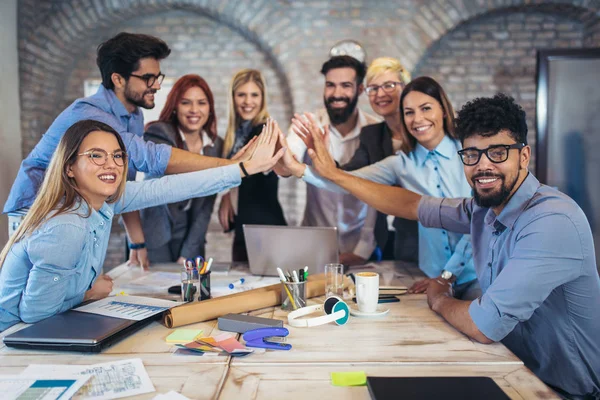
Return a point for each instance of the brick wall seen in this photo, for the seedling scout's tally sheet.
(472, 47)
(497, 53)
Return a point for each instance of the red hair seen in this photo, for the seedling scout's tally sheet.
(174, 97)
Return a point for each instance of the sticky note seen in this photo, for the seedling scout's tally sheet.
(353, 378)
(183, 336)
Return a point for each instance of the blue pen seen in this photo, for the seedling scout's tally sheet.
(236, 283)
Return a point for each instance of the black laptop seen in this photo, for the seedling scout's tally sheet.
(447, 388)
(75, 331)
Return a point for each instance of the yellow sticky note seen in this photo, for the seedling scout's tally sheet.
(353, 378)
(183, 336)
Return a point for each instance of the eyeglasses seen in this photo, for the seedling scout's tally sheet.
(100, 157)
(150, 79)
(497, 153)
(387, 87)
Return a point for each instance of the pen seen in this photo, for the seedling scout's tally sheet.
(199, 262)
(236, 283)
(210, 261)
(306, 273)
(301, 274)
(295, 276)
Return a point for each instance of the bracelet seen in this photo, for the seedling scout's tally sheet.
(246, 174)
(136, 246)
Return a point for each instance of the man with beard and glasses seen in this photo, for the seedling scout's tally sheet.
(355, 221)
(130, 68)
(532, 246)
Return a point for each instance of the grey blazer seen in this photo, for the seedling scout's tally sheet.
(187, 220)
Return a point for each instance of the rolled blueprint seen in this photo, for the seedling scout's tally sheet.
(249, 300)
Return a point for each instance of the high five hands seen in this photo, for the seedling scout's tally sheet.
(259, 154)
(317, 142)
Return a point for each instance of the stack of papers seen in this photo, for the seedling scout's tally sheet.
(128, 307)
(223, 344)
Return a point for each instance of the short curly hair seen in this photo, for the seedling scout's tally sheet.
(487, 116)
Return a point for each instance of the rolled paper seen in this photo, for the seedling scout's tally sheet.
(247, 301)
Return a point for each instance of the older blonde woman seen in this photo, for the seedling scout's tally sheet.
(386, 77)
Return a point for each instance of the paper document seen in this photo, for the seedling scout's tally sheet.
(128, 307)
(172, 395)
(220, 285)
(157, 280)
(34, 387)
(111, 380)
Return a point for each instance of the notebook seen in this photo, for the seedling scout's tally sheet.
(447, 388)
(75, 331)
(290, 247)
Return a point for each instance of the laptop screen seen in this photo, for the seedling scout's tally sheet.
(290, 247)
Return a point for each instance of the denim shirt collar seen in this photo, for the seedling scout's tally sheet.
(116, 107)
(446, 149)
(515, 206)
(98, 220)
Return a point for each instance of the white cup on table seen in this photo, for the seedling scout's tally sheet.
(367, 291)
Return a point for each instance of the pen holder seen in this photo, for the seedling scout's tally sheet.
(190, 284)
(293, 295)
(204, 286)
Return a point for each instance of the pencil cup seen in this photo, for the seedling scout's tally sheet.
(293, 295)
(190, 284)
(204, 286)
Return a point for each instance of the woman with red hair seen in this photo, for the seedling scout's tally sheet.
(177, 231)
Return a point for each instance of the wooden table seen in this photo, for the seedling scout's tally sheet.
(410, 340)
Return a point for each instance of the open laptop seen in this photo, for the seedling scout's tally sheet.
(448, 388)
(74, 331)
(290, 247)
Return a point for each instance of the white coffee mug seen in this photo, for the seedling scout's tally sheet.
(367, 291)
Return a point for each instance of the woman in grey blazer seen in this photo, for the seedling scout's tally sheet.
(177, 231)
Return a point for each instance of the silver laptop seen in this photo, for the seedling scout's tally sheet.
(290, 247)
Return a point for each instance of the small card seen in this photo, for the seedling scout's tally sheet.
(183, 336)
(353, 378)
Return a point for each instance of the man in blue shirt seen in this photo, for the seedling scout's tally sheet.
(130, 68)
(532, 246)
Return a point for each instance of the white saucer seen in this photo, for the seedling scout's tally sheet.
(380, 312)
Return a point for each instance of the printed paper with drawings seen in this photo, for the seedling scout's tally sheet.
(40, 387)
(128, 307)
(112, 380)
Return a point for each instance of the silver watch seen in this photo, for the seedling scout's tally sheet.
(447, 275)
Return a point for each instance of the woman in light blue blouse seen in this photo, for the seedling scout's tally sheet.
(54, 260)
(431, 167)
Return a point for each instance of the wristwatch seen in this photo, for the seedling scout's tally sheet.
(447, 275)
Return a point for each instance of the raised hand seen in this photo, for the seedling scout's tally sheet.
(287, 164)
(262, 158)
(245, 153)
(305, 126)
(322, 161)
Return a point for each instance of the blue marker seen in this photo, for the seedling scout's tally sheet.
(236, 283)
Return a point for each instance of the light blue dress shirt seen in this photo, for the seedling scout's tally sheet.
(49, 271)
(537, 269)
(104, 106)
(436, 173)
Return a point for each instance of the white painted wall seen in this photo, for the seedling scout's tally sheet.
(10, 111)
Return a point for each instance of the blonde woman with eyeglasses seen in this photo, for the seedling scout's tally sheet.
(54, 260)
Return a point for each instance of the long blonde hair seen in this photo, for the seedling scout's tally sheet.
(241, 78)
(59, 193)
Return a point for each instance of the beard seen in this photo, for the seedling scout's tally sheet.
(493, 199)
(338, 116)
(138, 98)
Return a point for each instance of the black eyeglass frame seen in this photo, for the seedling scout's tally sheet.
(373, 89)
(487, 154)
(113, 155)
(150, 79)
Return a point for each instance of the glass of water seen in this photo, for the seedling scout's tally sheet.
(334, 280)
